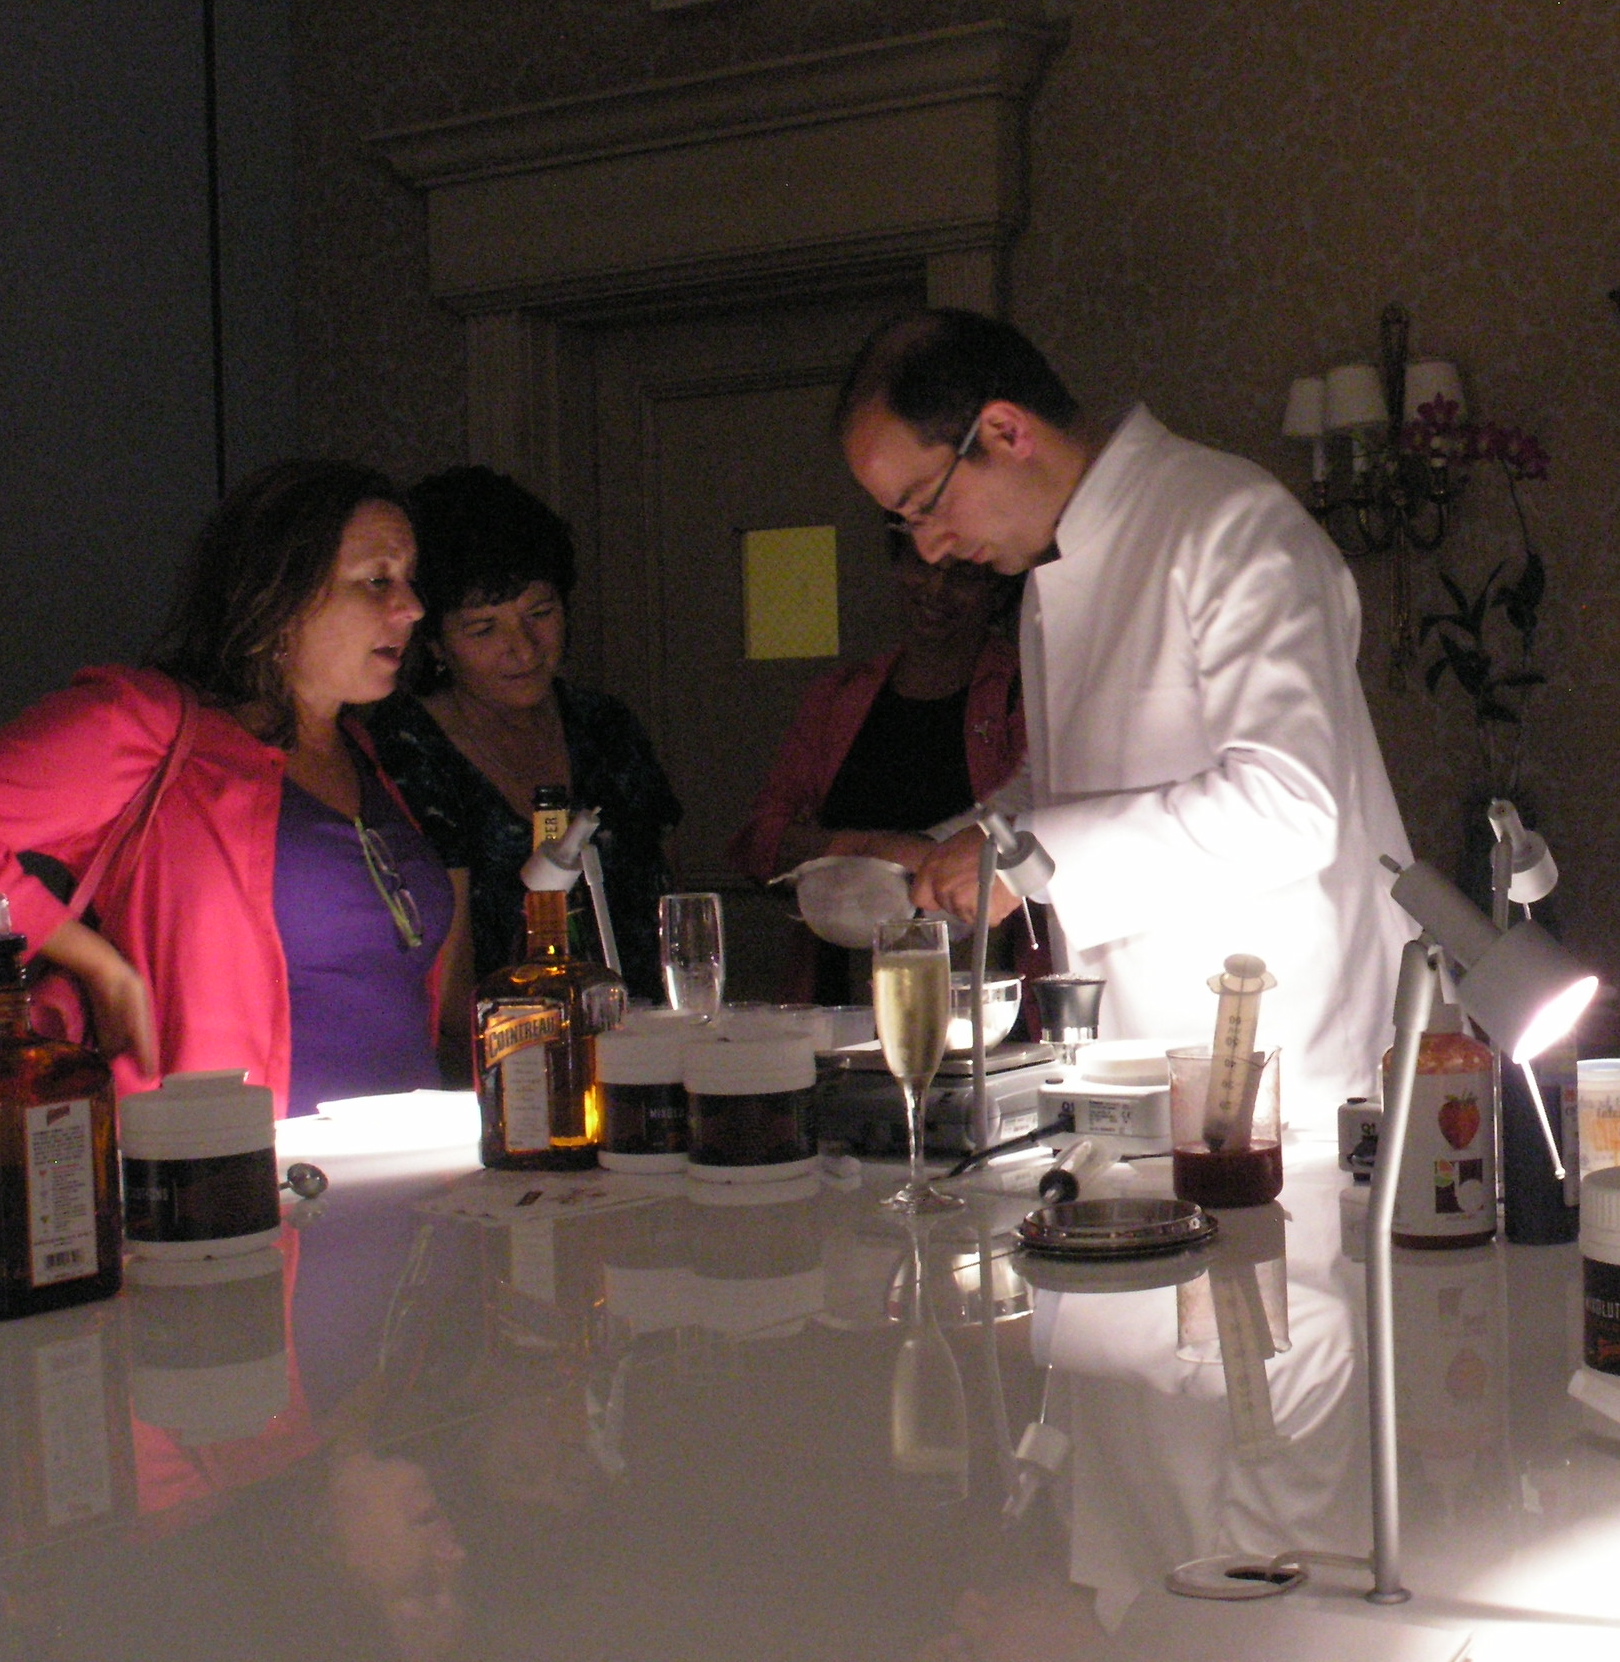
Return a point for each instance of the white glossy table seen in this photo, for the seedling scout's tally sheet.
(614, 1423)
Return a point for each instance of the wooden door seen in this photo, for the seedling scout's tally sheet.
(706, 427)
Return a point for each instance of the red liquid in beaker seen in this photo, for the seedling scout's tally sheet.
(1239, 1177)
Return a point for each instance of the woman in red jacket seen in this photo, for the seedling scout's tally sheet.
(880, 751)
(280, 913)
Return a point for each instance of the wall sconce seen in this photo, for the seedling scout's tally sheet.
(1392, 499)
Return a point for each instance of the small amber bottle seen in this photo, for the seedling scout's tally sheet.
(61, 1235)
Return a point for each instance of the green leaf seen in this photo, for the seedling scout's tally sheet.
(1458, 598)
(1483, 602)
(1433, 673)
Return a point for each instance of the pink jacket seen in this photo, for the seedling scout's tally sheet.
(196, 913)
(833, 712)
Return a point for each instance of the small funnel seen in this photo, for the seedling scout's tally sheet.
(1068, 1005)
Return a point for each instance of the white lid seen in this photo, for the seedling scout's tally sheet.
(658, 1018)
(1125, 1062)
(752, 1065)
(1598, 1067)
(195, 1115)
(765, 1021)
(1600, 1214)
(644, 1056)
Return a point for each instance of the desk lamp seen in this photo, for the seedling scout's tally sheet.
(1525, 991)
(1026, 868)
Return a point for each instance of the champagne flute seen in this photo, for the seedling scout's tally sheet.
(911, 993)
(692, 949)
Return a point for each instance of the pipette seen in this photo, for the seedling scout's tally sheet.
(1234, 1070)
(557, 865)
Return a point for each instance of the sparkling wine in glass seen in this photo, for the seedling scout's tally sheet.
(691, 948)
(911, 992)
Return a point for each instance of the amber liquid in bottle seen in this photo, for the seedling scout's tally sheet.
(534, 1048)
(61, 1233)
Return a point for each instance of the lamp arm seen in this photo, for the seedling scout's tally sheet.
(1414, 996)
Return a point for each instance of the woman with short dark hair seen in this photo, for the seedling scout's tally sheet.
(494, 721)
(279, 912)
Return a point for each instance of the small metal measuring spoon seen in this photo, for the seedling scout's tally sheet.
(306, 1181)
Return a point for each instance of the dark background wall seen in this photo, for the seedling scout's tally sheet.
(125, 389)
(1223, 196)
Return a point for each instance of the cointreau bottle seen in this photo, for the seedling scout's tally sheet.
(61, 1233)
(534, 1046)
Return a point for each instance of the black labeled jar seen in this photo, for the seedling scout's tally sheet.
(1600, 1269)
(752, 1105)
(199, 1167)
(644, 1114)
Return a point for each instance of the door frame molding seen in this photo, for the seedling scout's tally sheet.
(816, 172)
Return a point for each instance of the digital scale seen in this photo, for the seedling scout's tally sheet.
(858, 1103)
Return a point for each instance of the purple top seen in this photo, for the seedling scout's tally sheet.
(360, 1004)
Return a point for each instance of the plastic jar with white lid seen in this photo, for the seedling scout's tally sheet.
(199, 1159)
(641, 1073)
(751, 1102)
(1597, 1095)
(1600, 1270)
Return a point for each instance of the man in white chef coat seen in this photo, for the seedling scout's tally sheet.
(1202, 767)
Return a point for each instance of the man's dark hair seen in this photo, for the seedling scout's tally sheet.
(265, 554)
(937, 369)
(482, 539)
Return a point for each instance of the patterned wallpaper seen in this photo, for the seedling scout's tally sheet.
(1224, 196)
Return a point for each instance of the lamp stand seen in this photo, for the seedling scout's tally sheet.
(1414, 995)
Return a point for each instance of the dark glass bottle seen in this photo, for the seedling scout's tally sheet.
(1540, 1209)
(61, 1235)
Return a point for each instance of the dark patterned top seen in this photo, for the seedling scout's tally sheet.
(473, 826)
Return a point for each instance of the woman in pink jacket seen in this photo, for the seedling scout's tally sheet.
(279, 912)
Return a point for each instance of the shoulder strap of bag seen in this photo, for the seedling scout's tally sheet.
(133, 823)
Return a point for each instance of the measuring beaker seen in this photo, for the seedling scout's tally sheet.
(1216, 1177)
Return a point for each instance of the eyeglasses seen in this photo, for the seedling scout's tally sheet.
(909, 523)
(390, 885)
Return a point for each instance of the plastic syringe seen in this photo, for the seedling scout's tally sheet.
(1234, 1076)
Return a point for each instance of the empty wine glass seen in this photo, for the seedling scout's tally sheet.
(911, 994)
(691, 947)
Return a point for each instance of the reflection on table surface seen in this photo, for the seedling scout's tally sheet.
(468, 1414)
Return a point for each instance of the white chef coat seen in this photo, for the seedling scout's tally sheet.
(1202, 766)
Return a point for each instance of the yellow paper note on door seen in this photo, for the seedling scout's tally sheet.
(790, 590)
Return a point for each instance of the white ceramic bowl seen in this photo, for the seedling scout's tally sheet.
(1002, 997)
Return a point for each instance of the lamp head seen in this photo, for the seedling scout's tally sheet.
(1535, 873)
(1522, 987)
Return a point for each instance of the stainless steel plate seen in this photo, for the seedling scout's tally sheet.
(1115, 1228)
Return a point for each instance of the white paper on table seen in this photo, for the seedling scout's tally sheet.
(505, 1198)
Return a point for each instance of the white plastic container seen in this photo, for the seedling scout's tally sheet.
(1119, 1089)
(641, 1073)
(199, 1158)
(1600, 1270)
(752, 1105)
(1597, 1095)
